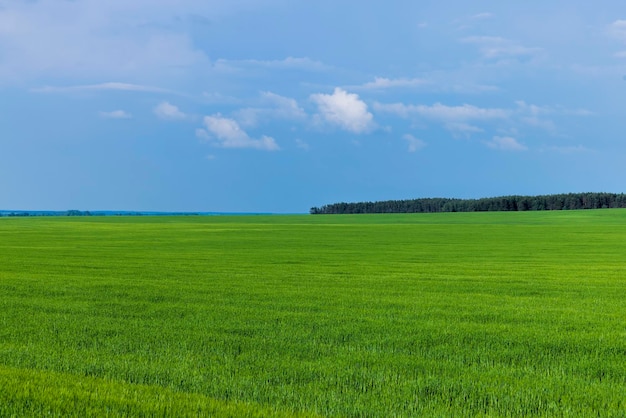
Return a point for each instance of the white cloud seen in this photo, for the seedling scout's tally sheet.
(463, 112)
(535, 116)
(482, 16)
(469, 22)
(166, 110)
(536, 110)
(345, 110)
(273, 106)
(380, 83)
(203, 134)
(415, 144)
(617, 30)
(462, 120)
(531, 115)
(116, 114)
(505, 143)
(286, 105)
(460, 128)
(544, 124)
(466, 120)
(532, 109)
(464, 86)
(289, 63)
(492, 47)
(302, 144)
(102, 86)
(443, 113)
(227, 133)
(435, 82)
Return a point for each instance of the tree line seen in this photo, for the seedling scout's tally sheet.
(21, 213)
(569, 201)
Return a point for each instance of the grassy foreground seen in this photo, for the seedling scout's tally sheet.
(473, 314)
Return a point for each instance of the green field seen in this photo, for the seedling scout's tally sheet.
(456, 314)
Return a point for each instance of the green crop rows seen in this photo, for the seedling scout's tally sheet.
(474, 314)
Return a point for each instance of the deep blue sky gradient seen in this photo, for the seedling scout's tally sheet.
(277, 106)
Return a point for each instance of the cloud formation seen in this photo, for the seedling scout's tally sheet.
(302, 144)
(226, 133)
(345, 110)
(415, 144)
(481, 16)
(166, 110)
(492, 47)
(443, 113)
(272, 106)
(114, 85)
(617, 30)
(469, 22)
(116, 114)
(505, 143)
(289, 63)
(537, 116)
(462, 129)
(380, 83)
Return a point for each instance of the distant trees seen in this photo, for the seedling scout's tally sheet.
(570, 201)
(75, 212)
(72, 212)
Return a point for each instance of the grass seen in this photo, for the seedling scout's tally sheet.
(457, 314)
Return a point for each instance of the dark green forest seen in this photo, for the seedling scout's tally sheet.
(569, 201)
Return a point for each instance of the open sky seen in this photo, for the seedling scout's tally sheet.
(280, 105)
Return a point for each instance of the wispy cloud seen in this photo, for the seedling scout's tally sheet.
(302, 144)
(415, 144)
(101, 86)
(537, 110)
(433, 82)
(115, 114)
(272, 106)
(381, 83)
(289, 63)
(617, 30)
(471, 21)
(462, 129)
(227, 133)
(345, 110)
(494, 47)
(166, 110)
(443, 113)
(545, 124)
(505, 143)
(538, 116)
(466, 120)
(482, 16)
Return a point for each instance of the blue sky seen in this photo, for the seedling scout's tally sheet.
(280, 105)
